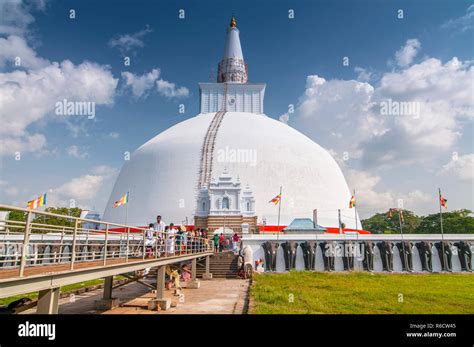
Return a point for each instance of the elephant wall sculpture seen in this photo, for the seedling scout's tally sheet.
(349, 255)
(270, 250)
(368, 261)
(445, 255)
(406, 255)
(386, 252)
(289, 254)
(328, 249)
(424, 249)
(465, 255)
(309, 254)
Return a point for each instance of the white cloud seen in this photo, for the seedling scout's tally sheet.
(170, 90)
(461, 167)
(345, 115)
(7, 189)
(16, 16)
(363, 75)
(77, 152)
(370, 200)
(14, 47)
(142, 85)
(29, 96)
(405, 55)
(83, 189)
(129, 42)
(464, 23)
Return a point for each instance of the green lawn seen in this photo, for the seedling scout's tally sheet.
(362, 293)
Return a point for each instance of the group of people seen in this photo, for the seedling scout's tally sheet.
(222, 243)
(177, 240)
(173, 240)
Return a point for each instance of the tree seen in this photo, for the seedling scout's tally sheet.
(50, 220)
(455, 222)
(382, 223)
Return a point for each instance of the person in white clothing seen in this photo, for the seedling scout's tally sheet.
(170, 239)
(159, 228)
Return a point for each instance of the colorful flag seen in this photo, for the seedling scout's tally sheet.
(389, 213)
(352, 202)
(122, 201)
(442, 200)
(41, 201)
(276, 199)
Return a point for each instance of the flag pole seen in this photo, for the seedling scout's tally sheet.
(126, 208)
(279, 210)
(441, 223)
(401, 235)
(355, 208)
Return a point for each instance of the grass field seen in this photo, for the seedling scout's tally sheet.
(362, 293)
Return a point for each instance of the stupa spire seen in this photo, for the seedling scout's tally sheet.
(232, 67)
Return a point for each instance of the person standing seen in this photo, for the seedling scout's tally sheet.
(221, 242)
(159, 226)
(216, 242)
(235, 242)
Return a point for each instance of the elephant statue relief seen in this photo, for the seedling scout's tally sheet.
(350, 253)
(328, 249)
(270, 249)
(289, 254)
(406, 255)
(465, 255)
(386, 252)
(368, 261)
(445, 255)
(424, 249)
(309, 254)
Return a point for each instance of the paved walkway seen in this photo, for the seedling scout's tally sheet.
(218, 296)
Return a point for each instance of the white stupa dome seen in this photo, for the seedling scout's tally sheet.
(165, 174)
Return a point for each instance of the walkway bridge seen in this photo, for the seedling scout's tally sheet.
(37, 254)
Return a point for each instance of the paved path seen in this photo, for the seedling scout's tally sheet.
(218, 296)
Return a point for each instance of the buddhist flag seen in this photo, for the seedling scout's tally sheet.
(122, 201)
(276, 199)
(389, 213)
(442, 200)
(352, 202)
(41, 201)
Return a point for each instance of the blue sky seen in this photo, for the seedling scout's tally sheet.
(76, 153)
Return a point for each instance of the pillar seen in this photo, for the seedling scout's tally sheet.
(207, 275)
(48, 301)
(193, 284)
(107, 302)
(160, 301)
(109, 281)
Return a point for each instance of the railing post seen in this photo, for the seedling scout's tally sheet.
(193, 270)
(61, 247)
(156, 244)
(144, 236)
(128, 243)
(26, 241)
(74, 240)
(106, 243)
